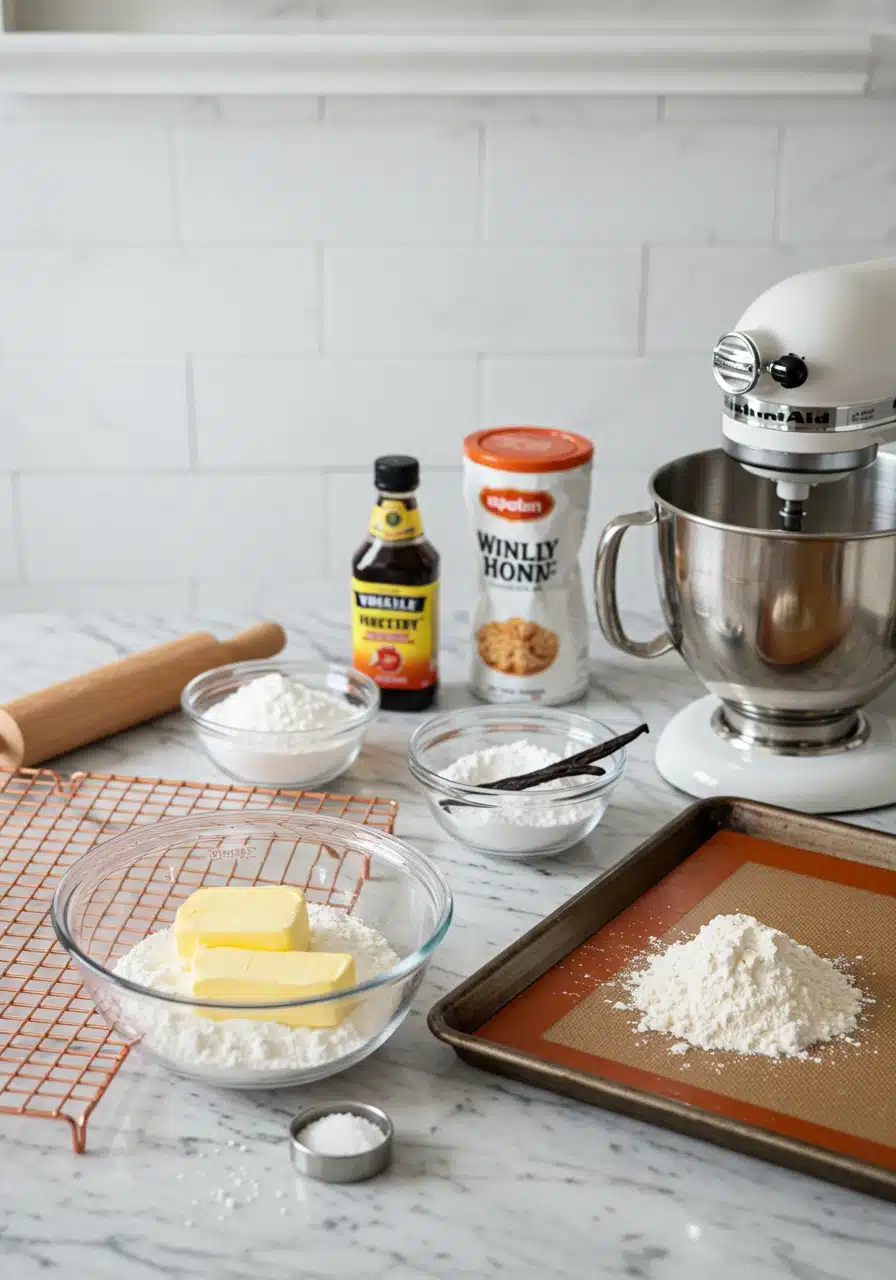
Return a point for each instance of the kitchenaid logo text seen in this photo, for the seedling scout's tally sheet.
(514, 504)
(505, 560)
(740, 409)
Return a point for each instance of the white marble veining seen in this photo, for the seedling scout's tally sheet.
(490, 1178)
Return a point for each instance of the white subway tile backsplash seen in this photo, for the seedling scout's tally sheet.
(639, 411)
(66, 185)
(778, 109)
(695, 294)
(93, 414)
(630, 184)
(257, 526)
(386, 109)
(331, 412)
(72, 596)
(839, 184)
(284, 600)
(9, 549)
(161, 527)
(146, 302)
(328, 182)
(461, 301)
(195, 423)
(239, 109)
(97, 110)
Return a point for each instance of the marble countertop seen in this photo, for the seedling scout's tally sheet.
(490, 1178)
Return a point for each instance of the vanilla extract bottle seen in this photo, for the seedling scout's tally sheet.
(395, 593)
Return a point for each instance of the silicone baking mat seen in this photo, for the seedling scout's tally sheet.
(57, 1054)
(839, 1100)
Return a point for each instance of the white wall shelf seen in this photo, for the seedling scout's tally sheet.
(487, 57)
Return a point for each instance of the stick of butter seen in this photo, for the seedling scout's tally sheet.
(241, 975)
(271, 917)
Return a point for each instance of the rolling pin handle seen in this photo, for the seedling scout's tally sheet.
(66, 716)
(12, 742)
(263, 640)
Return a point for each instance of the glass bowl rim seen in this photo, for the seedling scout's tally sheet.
(339, 829)
(294, 668)
(468, 718)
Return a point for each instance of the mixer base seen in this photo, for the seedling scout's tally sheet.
(694, 758)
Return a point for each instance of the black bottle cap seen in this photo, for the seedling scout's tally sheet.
(396, 473)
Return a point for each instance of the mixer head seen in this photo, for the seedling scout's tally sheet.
(809, 377)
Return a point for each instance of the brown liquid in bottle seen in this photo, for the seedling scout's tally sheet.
(395, 582)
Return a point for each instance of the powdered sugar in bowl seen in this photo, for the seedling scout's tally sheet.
(279, 723)
(454, 756)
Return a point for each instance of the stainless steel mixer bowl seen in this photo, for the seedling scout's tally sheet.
(793, 632)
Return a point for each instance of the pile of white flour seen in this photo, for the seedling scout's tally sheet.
(276, 704)
(191, 1041)
(741, 986)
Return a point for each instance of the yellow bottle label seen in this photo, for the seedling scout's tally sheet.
(395, 633)
(392, 521)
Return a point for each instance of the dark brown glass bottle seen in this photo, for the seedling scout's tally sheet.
(395, 593)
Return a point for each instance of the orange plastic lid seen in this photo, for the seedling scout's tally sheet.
(528, 449)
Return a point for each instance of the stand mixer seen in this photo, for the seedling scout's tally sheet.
(776, 557)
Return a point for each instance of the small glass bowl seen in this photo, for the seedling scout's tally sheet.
(129, 887)
(300, 758)
(519, 824)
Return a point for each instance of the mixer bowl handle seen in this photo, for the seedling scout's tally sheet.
(605, 589)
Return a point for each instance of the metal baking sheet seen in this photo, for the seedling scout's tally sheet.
(547, 1011)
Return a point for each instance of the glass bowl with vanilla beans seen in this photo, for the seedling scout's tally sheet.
(518, 782)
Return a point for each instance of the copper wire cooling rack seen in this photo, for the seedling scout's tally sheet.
(57, 1054)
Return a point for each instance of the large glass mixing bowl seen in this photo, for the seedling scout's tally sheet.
(130, 887)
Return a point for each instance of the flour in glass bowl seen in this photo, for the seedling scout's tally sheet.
(510, 760)
(276, 731)
(275, 704)
(518, 824)
(198, 1045)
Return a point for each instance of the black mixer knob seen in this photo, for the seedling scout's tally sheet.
(789, 370)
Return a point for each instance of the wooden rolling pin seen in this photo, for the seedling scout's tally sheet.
(106, 701)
